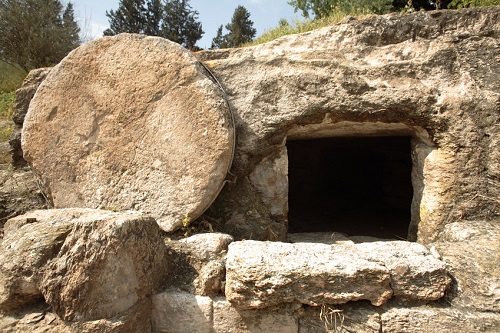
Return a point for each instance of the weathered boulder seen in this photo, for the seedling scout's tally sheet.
(22, 103)
(131, 122)
(471, 251)
(437, 320)
(108, 263)
(208, 246)
(432, 76)
(261, 274)
(199, 263)
(30, 241)
(95, 268)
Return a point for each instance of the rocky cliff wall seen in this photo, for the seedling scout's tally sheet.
(432, 76)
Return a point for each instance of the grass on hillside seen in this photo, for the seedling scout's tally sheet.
(11, 77)
(6, 109)
(298, 26)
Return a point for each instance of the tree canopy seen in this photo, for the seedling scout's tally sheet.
(180, 24)
(36, 33)
(472, 3)
(323, 8)
(240, 30)
(129, 17)
(171, 19)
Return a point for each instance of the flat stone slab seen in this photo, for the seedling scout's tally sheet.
(261, 274)
(131, 122)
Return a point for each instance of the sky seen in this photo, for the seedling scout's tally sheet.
(91, 15)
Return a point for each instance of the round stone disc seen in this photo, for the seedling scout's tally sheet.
(131, 122)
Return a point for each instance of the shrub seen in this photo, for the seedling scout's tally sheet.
(11, 77)
(6, 108)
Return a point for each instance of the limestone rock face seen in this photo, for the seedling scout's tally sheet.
(30, 241)
(131, 122)
(471, 251)
(107, 264)
(432, 76)
(261, 274)
(23, 99)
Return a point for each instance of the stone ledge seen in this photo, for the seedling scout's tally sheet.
(262, 274)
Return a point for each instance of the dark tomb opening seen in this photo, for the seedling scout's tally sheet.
(352, 185)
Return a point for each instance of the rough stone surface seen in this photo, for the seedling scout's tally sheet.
(108, 263)
(435, 320)
(30, 241)
(430, 75)
(134, 320)
(471, 251)
(280, 319)
(208, 246)
(131, 122)
(181, 312)
(19, 194)
(22, 103)
(415, 273)
(261, 274)
(199, 263)
(37, 319)
(40, 319)
(360, 318)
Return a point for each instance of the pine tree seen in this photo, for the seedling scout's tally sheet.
(180, 23)
(129, 17)
(36, 33)
(154, 17)
(219, 41)
(172, 19)
(71, 27)
(240, 30)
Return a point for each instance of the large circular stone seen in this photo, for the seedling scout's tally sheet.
(131, 122)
